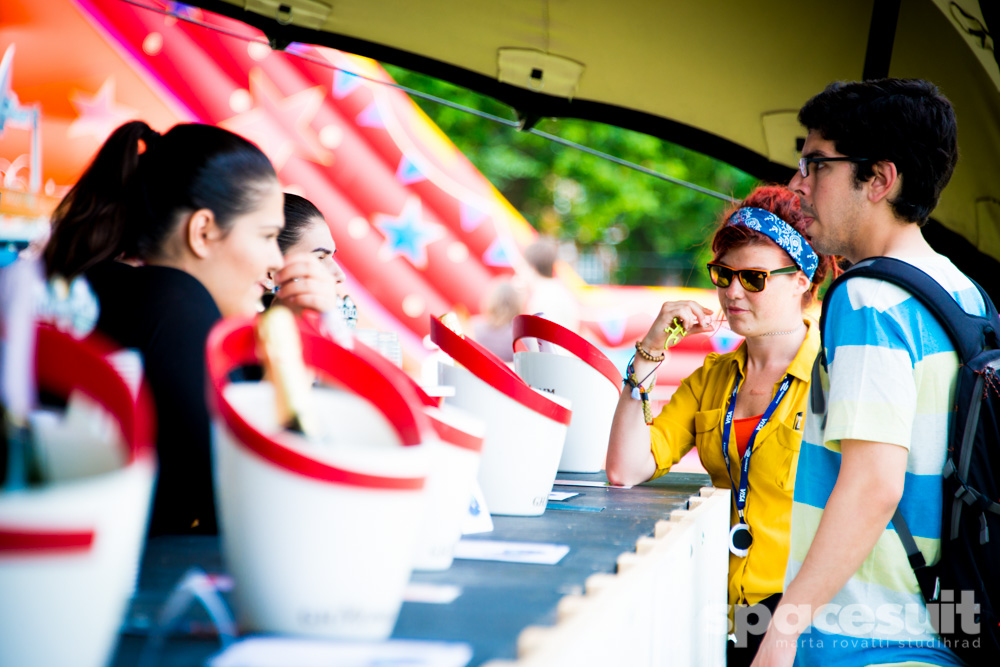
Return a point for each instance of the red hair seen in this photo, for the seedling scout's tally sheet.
(783, 203)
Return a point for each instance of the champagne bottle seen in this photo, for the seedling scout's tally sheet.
(280, 349)
(21, 468)
(450, 320)
(20, 284)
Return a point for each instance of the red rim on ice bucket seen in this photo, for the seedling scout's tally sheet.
(231, 344)
(308, 321)
(62, 365)
(487, 367)
(373, 357)
(532, 326)
(446, 431)
(439, 420)
(451, 433)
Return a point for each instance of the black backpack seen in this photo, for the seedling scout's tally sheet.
(970, 522)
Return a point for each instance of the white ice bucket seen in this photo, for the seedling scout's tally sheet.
(450, 485)
(320, 538)
(69, 551)
(586, 377)
(456, 453)
(525, 428)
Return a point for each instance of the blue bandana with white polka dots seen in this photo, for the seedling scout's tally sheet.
(780, 232)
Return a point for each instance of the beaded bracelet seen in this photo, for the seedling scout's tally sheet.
(646, 355)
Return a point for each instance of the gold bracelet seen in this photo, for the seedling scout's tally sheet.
(646, 355)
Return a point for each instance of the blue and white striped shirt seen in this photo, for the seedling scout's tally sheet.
(891, 378)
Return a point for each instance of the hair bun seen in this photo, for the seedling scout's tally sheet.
(148, 140)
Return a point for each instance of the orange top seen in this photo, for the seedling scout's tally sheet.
(743, 429)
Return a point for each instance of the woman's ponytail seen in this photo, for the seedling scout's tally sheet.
(131, 198)
(89, 224)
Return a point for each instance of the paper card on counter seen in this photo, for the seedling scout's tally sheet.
(562, 495)
(438, 390)
(431, 593)
(587, 482)
(294, 652)
(574, 508)
(478, 519)
(538, 553)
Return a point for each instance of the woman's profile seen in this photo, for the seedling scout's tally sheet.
(197, 211)
(306, 243)
(743, 410)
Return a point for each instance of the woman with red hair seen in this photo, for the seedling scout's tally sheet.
(743, 410)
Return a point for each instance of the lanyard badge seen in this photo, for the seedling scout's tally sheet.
(740, 537)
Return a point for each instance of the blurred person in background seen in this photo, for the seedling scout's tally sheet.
(494, 327)
(548, 296)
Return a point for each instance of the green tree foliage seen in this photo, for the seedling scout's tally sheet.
(653, 231)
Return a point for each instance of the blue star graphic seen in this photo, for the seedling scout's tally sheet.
(497, 254)
(407, 234)
(370, 116)
(344, 83)
(408, 173)
(181, 10)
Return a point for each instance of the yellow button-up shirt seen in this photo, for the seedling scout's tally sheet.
(694, 418)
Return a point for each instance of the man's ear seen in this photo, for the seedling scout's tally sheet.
(200, 230)
(885, 181)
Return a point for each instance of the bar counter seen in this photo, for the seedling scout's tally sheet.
(498, 600)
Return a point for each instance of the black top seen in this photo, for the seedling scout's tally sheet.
(166, 315)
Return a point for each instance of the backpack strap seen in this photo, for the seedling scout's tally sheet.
(818, 402)
(969, 333)
(926, 578)
(906, 537)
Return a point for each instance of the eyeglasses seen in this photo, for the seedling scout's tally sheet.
(804, 162)
(753, 280)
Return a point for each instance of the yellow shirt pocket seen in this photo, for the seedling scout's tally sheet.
(776, 457)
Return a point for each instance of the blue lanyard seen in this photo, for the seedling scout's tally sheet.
(740, 497)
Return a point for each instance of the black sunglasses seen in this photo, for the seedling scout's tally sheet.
(753, 280)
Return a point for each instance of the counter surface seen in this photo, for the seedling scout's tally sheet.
(497, 600)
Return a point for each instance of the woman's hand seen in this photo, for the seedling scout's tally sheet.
(694, 317)
(304, 283)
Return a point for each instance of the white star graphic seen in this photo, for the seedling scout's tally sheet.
(99, 114)
(281, 125)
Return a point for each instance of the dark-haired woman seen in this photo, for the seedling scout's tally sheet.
(306, 231)
(311, 277)
(742, 410)
(200, 209)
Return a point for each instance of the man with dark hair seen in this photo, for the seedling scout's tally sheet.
(903, 121)
(875, 160)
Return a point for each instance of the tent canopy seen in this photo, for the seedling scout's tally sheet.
(724, 77)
